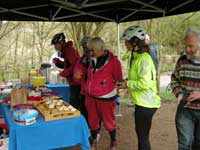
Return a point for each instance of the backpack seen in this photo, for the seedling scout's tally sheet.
(154, 55)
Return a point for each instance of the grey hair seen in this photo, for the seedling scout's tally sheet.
(96, 43)
(85, 40)
(195, 31)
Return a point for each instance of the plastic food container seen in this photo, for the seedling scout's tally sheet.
(25, 116)
(38, 81)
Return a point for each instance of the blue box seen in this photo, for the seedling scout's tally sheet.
(61, 89)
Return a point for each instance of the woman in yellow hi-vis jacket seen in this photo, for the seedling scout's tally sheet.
(141, 83)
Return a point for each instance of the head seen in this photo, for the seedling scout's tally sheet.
(134, 37)
(84, 42)
(192, 44)
(58, 40)
(97, 46)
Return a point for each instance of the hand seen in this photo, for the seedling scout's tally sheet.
(60, 74)
(77, 75)
(193, 96)
(121, 84)
(55, 60)
(179, 98)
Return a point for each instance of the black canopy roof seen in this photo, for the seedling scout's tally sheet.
(93, 10)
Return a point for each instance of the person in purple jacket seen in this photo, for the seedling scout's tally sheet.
(80, 73)
(103, 72)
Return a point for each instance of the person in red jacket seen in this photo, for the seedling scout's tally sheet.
(71, 55)
(103, 72)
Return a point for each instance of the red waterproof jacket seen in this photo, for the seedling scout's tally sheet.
(71, 56)
(102, 81)
(81, 67)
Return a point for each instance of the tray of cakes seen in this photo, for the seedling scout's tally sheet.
(54, 108)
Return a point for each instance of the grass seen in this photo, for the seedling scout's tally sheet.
(165, 96)
(125, 101)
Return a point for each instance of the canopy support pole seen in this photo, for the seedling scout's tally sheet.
(118, 41)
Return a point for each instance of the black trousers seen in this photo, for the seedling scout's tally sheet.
(143, 120)
(75, 96)
(83, 109)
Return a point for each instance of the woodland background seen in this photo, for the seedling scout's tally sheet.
(24, 45)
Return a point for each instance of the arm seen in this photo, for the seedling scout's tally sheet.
(144, 77)
(193, 96)
(175, 80)
(117, 70)
(71, 58)
(78, 72)
(58, 63)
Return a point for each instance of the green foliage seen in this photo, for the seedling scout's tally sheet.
(27, 44)
(77, 30)
(125, 101)
(167, 96)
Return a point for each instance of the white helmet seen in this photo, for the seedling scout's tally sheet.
(134, 31)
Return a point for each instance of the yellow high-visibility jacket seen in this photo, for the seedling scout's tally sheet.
(141, 81)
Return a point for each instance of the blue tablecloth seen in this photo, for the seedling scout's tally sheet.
(47, 135)
(1, 111)
(61, 89)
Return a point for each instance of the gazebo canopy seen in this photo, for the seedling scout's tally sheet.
(93, 10)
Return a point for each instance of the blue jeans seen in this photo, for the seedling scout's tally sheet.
(188, 128)
(196, 141)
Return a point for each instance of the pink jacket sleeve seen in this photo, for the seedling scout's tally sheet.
(117, 70)
(72, 56)
(79, 68)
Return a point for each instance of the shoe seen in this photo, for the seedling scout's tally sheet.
(98, 137)
(94, 144)
(113, 145)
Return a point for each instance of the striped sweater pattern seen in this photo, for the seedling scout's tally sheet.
(186, 78)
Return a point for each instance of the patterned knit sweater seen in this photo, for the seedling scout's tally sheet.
(186, 78)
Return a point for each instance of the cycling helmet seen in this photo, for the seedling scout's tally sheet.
(133, 31)
(58, 38)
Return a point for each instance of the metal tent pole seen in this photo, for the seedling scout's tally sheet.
(118, 41)
(118, 113)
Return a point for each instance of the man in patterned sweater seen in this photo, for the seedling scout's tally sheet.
(186, 86)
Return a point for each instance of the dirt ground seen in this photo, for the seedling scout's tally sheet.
(162, 136)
